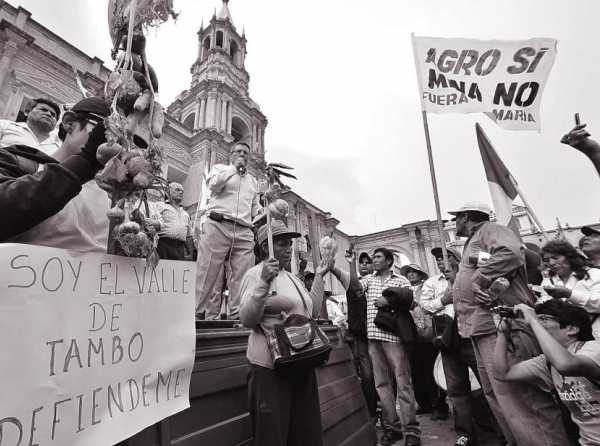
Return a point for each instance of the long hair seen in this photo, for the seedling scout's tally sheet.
(576, 261)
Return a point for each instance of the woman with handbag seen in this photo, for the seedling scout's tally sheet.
(282, 389)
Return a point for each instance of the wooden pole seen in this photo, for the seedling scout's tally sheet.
(436, 198)
(533, 215)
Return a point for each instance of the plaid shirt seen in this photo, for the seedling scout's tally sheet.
(373, 287)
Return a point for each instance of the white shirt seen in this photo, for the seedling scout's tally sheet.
(20, 133)
(82, 225)
(174, 222)
(432, 292)
(584, 292)
(232, 194)
(337, 310)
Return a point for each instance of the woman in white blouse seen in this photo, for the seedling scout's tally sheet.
(572, 279)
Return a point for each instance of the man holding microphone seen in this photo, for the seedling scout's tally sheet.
(227, 233)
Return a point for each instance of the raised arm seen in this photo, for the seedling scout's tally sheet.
(579, 138)
(219, 175)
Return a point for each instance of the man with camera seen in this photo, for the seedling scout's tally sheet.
(227, 232)
(569, 365)
(493, 254)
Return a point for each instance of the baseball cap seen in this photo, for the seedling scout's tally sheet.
(437, 252)
(95, 107)
(588, 230)
(364, 256)
(277, 228)
(474, 206)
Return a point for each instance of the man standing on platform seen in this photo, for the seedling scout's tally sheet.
(227, 234)
(175, 229)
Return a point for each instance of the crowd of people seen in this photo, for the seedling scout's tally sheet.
(523, 322)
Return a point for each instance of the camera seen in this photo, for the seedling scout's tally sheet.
(507, 312)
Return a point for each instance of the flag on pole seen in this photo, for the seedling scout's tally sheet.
(500, 181)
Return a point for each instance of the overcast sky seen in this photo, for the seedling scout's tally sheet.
(336, 80)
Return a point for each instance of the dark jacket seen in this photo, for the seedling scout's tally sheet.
(357, 309)
(28, 197)
(400, 300)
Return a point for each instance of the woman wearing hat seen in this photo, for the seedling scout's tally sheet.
(284, 406)
(427, 393)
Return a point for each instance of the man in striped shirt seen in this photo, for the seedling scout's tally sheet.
(388, 355)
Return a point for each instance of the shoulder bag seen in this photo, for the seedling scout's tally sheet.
(297, 342)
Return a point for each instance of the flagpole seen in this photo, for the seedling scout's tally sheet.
(436, 198)
(533, 215)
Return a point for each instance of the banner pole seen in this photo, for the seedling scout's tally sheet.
(436, 198)
(533, 215)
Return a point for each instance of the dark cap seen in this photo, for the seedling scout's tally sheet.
(364, 256)
(437, 252)
(588, 230)
(277, 228)
(94, 107)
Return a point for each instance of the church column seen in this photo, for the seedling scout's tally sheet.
(211, 106)
(218, 107)
(262, 140)
(200, 114)
(10, 49)
(14, 101)
(253, 137)
(224, 105)
(229, 117)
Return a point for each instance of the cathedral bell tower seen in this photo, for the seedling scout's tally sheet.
(217, 111)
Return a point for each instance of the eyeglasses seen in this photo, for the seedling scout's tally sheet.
(546, 318)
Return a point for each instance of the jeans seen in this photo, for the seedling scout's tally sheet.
(218, 243)
(390, 362)
(284, 407)
(360, 352)
(427, 393)
(527, 415)
(472, 415)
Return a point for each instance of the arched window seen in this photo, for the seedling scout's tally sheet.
(234, 52)
(219, 41)
(189, 121)
(206, 48)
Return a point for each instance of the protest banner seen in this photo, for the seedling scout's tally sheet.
(502, 78)
(94, 347)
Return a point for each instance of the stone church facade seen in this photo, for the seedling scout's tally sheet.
(202, 123)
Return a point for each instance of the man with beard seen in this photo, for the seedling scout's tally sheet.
(227, 234)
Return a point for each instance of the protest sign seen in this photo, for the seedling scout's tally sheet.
(504, 79)
(94, 347)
